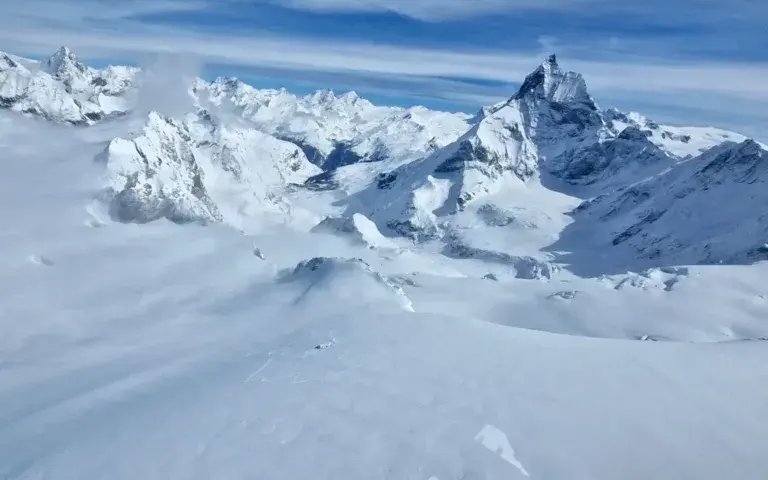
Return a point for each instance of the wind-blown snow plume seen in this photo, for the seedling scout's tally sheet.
(164, 85)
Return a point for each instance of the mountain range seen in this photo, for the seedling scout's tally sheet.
(241, 152)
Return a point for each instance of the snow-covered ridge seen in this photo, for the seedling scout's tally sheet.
(63, 89)
(199, 170)
(710, 209)
(336, 130)
(551, 126)
(332, 129)
(678, 141)
(551, 131)
(342, 126)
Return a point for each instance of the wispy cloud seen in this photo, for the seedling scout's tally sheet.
(110, 29)
(68, 14)
(439, 10)
(737, 79)
(433, 10)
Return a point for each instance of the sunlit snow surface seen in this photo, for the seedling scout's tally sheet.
(166, 351)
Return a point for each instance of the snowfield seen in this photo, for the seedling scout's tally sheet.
(202, 296)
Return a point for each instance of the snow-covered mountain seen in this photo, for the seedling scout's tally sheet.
(336, 130)
(550, 128)
(410, 171)
(63, 89)
(198, 170)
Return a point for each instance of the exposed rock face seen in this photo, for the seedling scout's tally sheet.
(526, 268)
(630, 154)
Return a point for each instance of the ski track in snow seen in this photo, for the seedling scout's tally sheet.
(261, 369)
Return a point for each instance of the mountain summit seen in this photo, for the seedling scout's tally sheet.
(63, 60)
(67, 68)
(551, 127)
(63, 89)
(549, 82)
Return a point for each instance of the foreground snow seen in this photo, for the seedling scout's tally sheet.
(166, 351)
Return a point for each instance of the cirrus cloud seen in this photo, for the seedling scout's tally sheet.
(464, 76)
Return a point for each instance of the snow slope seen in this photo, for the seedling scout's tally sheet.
(145, 337)
(708, 210)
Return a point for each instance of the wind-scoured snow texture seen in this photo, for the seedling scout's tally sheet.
(337, 130)
(711, 209)
(63, 89)
(197, 170)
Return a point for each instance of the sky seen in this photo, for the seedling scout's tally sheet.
(699, 62)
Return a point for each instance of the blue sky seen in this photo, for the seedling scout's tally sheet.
(684, 61)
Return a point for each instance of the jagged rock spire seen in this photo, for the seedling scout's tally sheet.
(540, 78)
(551, 59)
(549, 82)
(62, 61)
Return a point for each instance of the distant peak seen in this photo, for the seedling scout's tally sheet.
(549, 82)
(323, 96)
(750, 147)
(351, 96)
(64, 51)
(6, 61)
(539, 79)
(551, 59)
(62, 54)
(231, 82)
(62, 60)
